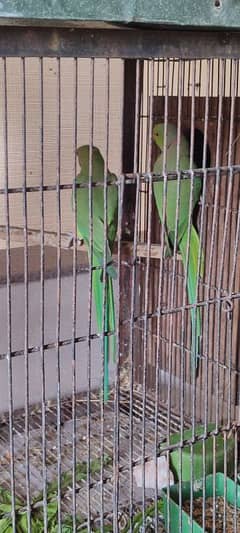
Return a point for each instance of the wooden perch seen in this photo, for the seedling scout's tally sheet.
(142, 250)
(17, 235)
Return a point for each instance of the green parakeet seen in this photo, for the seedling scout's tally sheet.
(190, 260)
(98, 243)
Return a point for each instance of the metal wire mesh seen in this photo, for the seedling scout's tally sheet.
(81, 422)
(67, 449)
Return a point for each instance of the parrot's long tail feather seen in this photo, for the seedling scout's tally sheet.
(109, 340)
(111, 325)
(194, 250)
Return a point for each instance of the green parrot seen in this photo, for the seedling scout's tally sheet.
(98, 243)
(190, 260)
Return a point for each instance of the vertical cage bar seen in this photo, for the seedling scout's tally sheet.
(236, 477)
(104, 288)
(131, 356)
(129, 201)
(42, 303)
(74, 299)
(204, 374)
(145, 339)
(221, 262)
(90, 208)
(117, 390)
(220, 278)
(182, 337)
(117, 385)
(9, 306)
(146, 288)
(215, 213)
(173, 273)
(206, 318)
(133, 294)
(26, 300)
(165, 191)
(229, 212)
(193, 333)
(213, 240)
(58, 199)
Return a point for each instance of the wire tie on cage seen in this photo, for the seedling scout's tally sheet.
(233, 143)
(235, 428)
(227, 307)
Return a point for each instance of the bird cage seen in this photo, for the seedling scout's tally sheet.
(119, 399)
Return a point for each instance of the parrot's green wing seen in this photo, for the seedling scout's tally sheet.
(98, 247)
(179, 195)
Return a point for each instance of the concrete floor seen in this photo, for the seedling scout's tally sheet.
(34, 340)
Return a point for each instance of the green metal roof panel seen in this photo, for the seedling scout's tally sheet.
(203, 13)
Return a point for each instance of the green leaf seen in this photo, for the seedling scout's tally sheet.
(52, 489)
(5, 508)
(37, 525)
(22, 523)
(67, 525)
(6, 525)
(137, 522)
(6, 497)
(95, 466)
(66, 478)
(53, 526)
(52, 510)
(106, 529)
(37, 520)
(67, 529)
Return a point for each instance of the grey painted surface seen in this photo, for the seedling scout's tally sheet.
(18, 321)
(208, 13)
